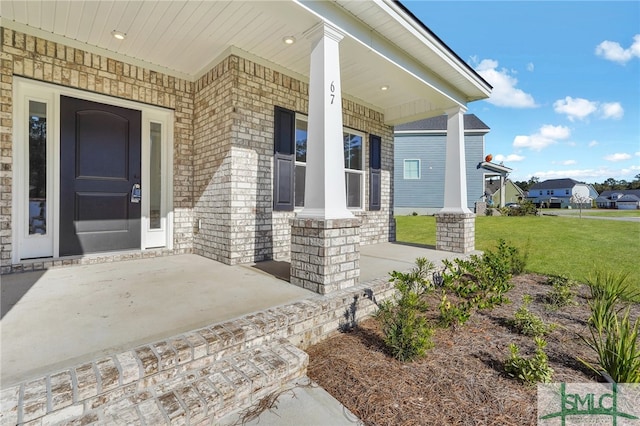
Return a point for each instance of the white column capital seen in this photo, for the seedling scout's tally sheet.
(459, 109)
(324, 29)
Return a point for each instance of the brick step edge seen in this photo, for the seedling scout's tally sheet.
(198, 395)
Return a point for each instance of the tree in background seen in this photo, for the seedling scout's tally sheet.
(612, 184)
(525, 185)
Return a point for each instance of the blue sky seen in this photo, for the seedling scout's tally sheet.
(566, 79)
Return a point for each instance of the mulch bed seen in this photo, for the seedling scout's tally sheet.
(462, 379)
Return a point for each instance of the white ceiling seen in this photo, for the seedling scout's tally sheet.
(186, 38)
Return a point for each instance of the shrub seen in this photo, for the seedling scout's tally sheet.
(613, 337)
(531, 370)
(480, 282)
(525, 208)
(407, 333)
(483, 279)
(617, 349)
(563, 293)
(528, 323)
(454, 313)
(608, 290)
(611, 285)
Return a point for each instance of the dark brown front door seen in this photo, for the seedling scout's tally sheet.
(99, 166)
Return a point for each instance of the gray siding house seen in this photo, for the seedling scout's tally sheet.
(419, 152)
(561, 193)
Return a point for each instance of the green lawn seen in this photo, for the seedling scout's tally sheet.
(595, 212)
(557, 245)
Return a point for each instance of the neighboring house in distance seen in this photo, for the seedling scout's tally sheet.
(621, 199)
(558, 193)
(493, 192)
(420, 150)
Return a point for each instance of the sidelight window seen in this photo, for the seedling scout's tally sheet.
(37, 153)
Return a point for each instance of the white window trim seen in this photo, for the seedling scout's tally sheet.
(25, 90)
(356, 171)
(303, 117)
(404, 169)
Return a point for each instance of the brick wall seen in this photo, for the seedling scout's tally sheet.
(266, 234)
(223, 144)
(212, 149)
(43, 60)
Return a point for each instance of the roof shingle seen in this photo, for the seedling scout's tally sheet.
(471, 122)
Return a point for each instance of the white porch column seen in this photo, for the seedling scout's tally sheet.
(455, 176)
(324, 195)
(455, 223)
(502, 191)
(325, 236)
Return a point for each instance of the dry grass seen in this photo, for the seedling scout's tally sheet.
(461, 380)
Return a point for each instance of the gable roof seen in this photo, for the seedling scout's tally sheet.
(439, 123)
(556, 184)
(609, 193)
(629, 198)
(491, 186)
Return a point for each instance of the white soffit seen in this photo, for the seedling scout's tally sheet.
(186, 38)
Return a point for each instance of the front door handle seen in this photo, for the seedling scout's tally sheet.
(136, 193)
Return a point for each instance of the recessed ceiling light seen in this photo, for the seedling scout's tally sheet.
(289, 40)
(118, 35)
(384, 88)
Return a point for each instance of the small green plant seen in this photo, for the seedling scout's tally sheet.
(612, 335)
(454, 313)
(612, 285)
(528, 323)
(531, 370)
(414, 214)
(406, 331)
(562, 292)
(617, 349)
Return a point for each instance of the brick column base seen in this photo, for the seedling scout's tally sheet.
(325, 254)
(455, 232)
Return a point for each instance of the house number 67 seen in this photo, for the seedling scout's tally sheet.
(332, 89)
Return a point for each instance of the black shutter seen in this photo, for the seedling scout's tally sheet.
(375, 176)
(284, 160)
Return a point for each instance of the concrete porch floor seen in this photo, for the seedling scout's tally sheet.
(60, 317)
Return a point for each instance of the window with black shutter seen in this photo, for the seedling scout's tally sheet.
(284, 159)
(375, 168)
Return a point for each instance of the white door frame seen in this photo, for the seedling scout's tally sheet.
(26, 246)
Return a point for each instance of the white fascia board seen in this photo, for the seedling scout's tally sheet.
(36, 32)
(367, 37)
(435, 45)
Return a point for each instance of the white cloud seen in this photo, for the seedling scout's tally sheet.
(593, 143)
(585, 175)
(612, 51)
(504, 93)
(618, 156)
(530, 67)
(547, 135)
(580, 109)
(569, 162)
(612, 110)
(575, 108)
(638, 154)
(509, 158)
